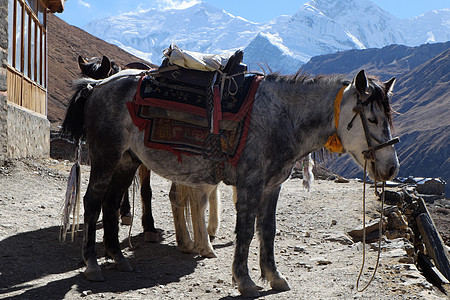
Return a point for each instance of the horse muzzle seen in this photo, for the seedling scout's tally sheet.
(383, 164)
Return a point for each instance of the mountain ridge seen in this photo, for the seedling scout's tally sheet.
(318, 27)
(421, 99)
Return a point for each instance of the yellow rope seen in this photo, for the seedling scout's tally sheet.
(132, 213)
(380, 233)
(334, 143)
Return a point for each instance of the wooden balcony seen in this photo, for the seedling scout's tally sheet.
(55, 6)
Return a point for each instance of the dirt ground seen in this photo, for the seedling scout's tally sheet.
(312, 248)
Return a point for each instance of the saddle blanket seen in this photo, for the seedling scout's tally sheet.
(174, 117)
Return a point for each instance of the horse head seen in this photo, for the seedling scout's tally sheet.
(96, 68)
(365, 124)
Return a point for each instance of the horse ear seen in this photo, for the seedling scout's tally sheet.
(81, 62)
(115, 67)
(389, 85)
(360, 82)
(105, 66)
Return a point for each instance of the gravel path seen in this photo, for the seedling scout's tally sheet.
(312, 248)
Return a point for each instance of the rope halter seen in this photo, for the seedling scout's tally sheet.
(334, 145)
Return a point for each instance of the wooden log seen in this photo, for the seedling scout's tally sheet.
(434, 244)
(430, 270)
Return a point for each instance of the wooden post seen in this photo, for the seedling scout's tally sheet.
(433, 241)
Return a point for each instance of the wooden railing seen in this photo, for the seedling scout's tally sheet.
(24, 92)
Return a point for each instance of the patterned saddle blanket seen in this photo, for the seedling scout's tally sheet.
(175, 118)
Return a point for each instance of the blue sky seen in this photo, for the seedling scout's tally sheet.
(80, 12)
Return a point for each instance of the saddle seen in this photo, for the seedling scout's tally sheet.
(197, 68)
(196, 104)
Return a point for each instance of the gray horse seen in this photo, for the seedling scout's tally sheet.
(292, 116)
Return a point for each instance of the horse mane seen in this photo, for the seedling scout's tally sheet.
(379, 93)
(381, 96)
(305, 78)
(73, 123)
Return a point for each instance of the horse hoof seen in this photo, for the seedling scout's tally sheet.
(123, 265)
(280, 284)
(208, 254)
(152, 237)
(94, 274)
(247, 287)
(187, 248)
(251, 291)
(126, 219)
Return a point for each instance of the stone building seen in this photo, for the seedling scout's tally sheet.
(24, 127)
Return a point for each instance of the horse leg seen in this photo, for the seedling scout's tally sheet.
(99, 180)
(266, 227)
(198, 203)
(247, 201)
(148, 223)
(120, 181)
(178, 203)
(214, 213)
(125, 214)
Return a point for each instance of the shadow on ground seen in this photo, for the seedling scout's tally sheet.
(26, 259)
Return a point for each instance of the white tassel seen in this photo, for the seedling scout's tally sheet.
(72, 200)
(308, 176)
(71, 203)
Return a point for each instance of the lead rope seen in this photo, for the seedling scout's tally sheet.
(132, 213)
(380, 231)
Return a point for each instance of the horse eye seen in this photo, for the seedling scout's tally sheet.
(373, 120)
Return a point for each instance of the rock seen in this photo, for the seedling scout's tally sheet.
(339, 237)
(321, 261)
(341, 180)
(406, 260)
(299, 249)
(396, 221)
(393, 198)
(86, 293)
(431, 186)
(371, 231)
(401, 253)
(400, 243)
(430, 198)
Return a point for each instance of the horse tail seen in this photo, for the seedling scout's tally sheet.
(187, 196)
(307, 170)
(73, 124)
(214, 213)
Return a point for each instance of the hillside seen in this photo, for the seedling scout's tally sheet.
(65, 43)
(392, 60)
(422, 99)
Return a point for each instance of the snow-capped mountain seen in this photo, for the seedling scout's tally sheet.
(201, 28)
(283, 44)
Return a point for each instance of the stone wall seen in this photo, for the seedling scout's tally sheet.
(23, 133)
(28, 133)
(3, 127)
(3, 62)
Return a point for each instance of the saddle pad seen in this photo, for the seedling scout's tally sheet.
(180, 96)
(175, 119)
(180, 137)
